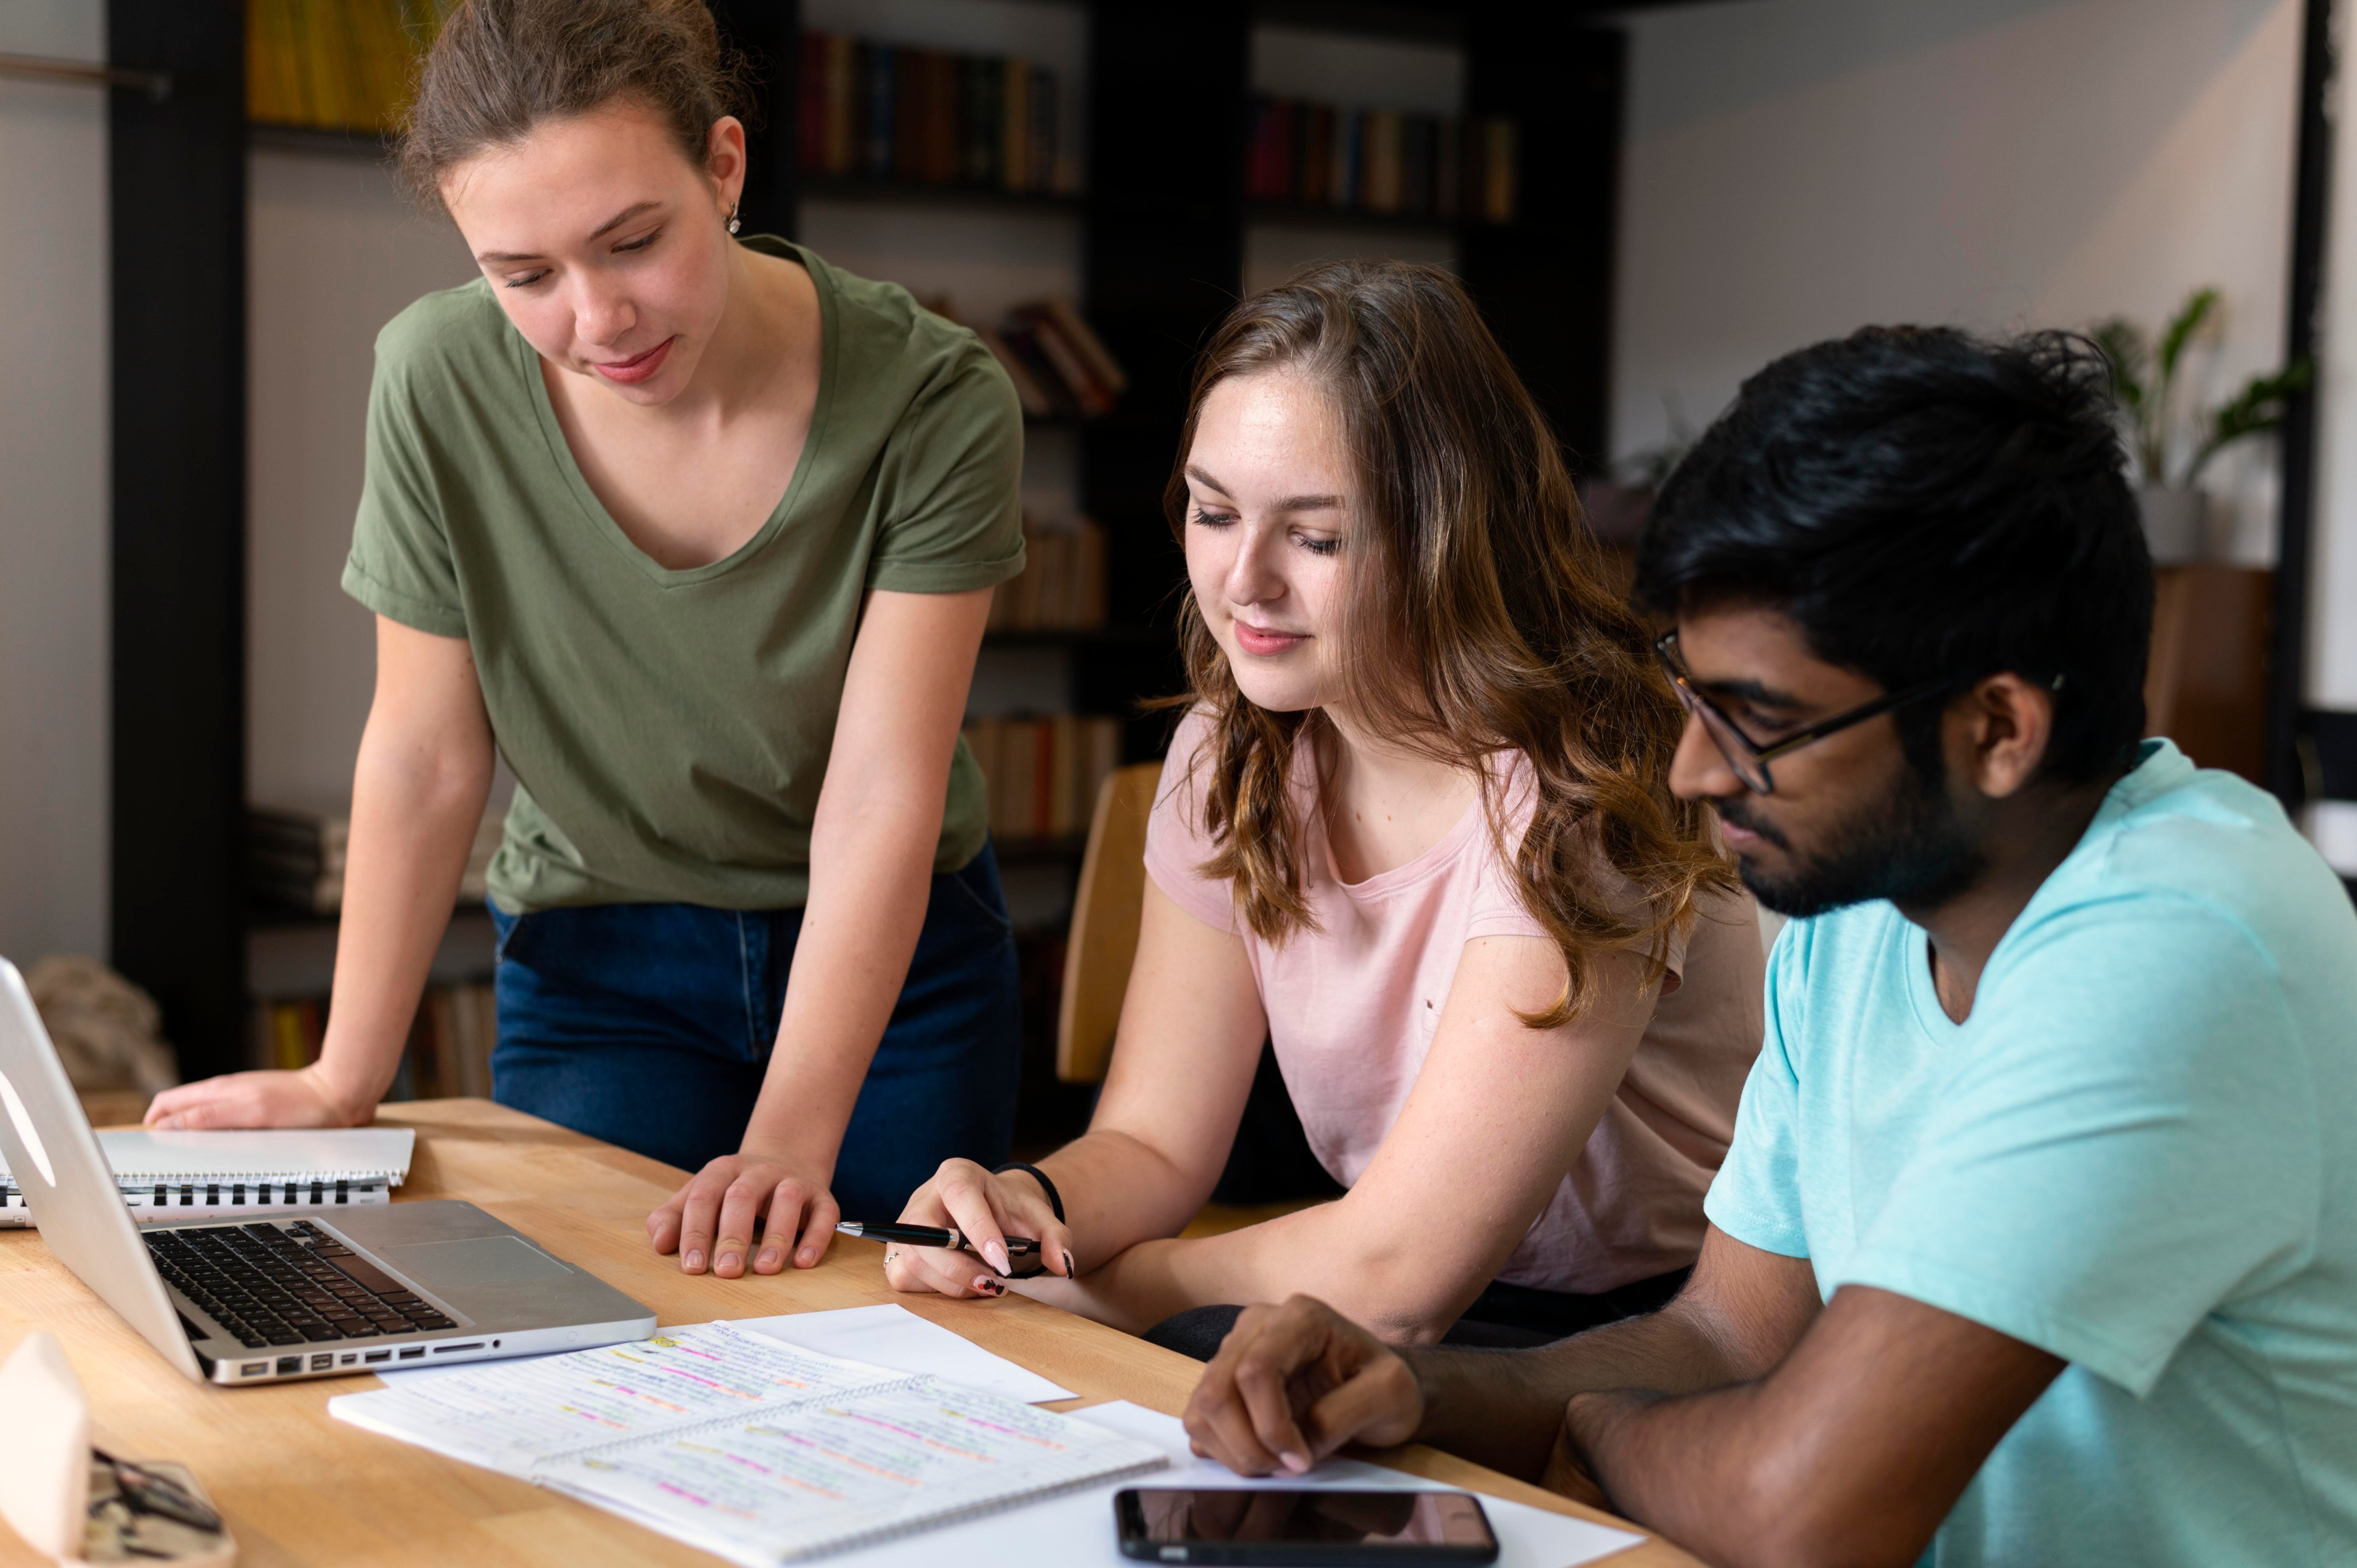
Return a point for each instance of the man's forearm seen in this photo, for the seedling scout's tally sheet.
(1682, 1465)
(1504, 1408)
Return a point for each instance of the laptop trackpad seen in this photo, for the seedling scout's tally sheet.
(478, 1260)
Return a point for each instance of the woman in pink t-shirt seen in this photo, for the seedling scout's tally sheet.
(1416, 831)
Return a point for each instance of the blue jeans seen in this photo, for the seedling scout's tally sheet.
(650, 1025)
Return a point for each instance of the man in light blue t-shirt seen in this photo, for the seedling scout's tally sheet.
(2038, 1239)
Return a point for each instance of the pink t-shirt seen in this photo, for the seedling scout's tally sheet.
(1352, 1006)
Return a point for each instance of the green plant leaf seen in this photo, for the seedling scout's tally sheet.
(2255, 410)
(2180, 330)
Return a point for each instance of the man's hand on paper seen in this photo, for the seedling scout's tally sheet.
(711, 1222)
(985, 1209)
(269, 1099)
(1293, 1383)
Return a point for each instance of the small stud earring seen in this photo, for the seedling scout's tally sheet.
(734, 225)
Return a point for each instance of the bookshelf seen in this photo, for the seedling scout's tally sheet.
(1160, 221)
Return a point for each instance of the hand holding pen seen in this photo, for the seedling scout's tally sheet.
(1009, 1221)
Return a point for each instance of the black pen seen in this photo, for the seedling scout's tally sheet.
(930, 1236)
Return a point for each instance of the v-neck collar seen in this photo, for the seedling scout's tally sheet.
(560, 450)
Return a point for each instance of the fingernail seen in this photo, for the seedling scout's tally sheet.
(998, 1256)
(769, 1259)
(728, 1261)
(694, 1261)
(987, 1285)
(1295, 1463)
(1068, 1265)
(809, 1256)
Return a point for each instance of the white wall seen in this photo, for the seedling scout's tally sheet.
(2332, 639)
(1797, 169)
(333, 254)
(53, 493)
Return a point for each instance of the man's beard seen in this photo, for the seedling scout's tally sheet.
(1909, 847)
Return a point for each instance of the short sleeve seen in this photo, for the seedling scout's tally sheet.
(1497, 909)
(400, 564)
(2130, 1142)
(1176, 845)
(1756, 1197)
(953, 516)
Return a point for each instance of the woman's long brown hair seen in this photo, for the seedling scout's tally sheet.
(1475, 621)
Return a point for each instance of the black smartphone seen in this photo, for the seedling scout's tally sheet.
(1211, 1524)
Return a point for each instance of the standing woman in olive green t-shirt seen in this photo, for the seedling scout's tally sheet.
(700, 536)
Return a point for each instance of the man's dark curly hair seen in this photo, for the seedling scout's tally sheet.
(1922, 502)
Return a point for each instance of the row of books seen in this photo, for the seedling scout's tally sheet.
(931, 117)
(1043, 773)
(294, 859)
(1062, 585)
(1382, 161)
(1060, 368)
(449, 1049)
(335, 64)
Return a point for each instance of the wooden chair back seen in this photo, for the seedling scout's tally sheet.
(1106, 912)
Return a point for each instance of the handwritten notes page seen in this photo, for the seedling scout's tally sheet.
(742, 1446)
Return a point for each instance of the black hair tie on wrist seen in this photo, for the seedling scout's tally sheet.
(1055, 1200)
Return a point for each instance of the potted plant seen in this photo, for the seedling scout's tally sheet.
(2144, 381)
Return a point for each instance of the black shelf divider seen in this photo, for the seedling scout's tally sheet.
(176, 209)
(767, 33)
(1544, 281)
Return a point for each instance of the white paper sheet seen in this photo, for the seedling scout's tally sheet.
(1077, 1528)
(891, 1335)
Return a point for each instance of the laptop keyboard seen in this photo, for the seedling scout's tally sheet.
(295, 1284)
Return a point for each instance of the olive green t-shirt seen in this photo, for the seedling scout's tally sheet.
(669, 730)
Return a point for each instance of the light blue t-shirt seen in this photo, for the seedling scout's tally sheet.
(2139, 1153)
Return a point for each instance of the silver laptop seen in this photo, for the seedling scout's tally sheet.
(375, 1288)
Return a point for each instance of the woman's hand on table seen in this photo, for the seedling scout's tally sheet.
(711, 1222)
(985, 1209)
(1293, 1383)
(306, 1098)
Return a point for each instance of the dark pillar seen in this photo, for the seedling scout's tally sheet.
(176, 200)
(1164, 263)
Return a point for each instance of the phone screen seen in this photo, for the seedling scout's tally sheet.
(1305, 1526)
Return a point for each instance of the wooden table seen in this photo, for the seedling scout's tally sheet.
(298, 1486)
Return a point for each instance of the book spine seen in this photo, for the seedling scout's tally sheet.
(841, 104)
(1014, 125)
(881, 80)
(811, 104)
(907, 130)
(1349, 157)
(985, 113)
(1498, 192)
(1448, 169)
(1040, 154)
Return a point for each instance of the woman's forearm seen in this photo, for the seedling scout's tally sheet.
(870, 877)
(415, 813)
(1335, 1251)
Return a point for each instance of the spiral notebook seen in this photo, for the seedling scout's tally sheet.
(202, 1176)
(755, 1450)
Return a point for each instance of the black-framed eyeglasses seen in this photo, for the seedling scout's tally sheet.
(1747, 756)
